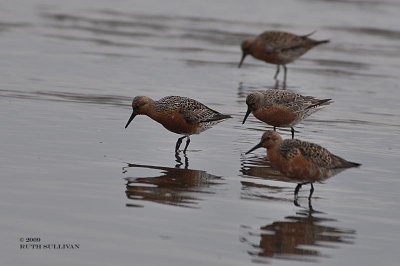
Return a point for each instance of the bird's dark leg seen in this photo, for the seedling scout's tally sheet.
(310, 207)
(186, 161)
(178, 144)
(276, 84)
(311, 191)
(284, 74)
(292, 130)
(296, 202)
(178, 160)
(187, 144)
(296, 190)
(277, 72)
(274, 128)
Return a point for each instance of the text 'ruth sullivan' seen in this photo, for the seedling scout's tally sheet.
(49, 246)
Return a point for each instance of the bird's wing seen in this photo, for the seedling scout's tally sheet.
(280, 42)
(310, 151)
(290, 100)
(316, 154)
(196, 112)
(289, 149)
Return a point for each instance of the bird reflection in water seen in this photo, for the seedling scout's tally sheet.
(258, 168)
(172, 186)
(304, 236)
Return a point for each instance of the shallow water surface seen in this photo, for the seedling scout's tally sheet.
(71, 173)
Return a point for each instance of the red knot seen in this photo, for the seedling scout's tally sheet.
(282, 108)
(301, 161)
(279, 48)
(178, 114)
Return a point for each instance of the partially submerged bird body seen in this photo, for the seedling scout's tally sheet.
(277, 47)
(282, 108)
(180, 115)
(303, 162)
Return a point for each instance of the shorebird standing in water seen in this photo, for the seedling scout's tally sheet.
(178, 114)
(282, 108)
(279, 48)
(301, 161)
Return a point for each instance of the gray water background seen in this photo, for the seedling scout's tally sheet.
(71, 173)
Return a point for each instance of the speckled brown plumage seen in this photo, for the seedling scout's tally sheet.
(282, 108)
(178, 114)
(277, 47)
(303, 162)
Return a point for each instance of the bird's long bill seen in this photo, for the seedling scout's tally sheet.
(246, 115)
(241, 60)
(130, 119)
(259, 145)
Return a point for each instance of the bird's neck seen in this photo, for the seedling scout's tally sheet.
(274, 156)
(151, 111)
(159, 115)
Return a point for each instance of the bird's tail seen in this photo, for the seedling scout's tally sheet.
(321, 42)
(216, 118)
(353, 164)
(314, 42)
(324, 102)
(342, 163)
(320, 103)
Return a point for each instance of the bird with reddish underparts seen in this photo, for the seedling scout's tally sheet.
(282, 108)
(180, 115)
(301, 161)
(278, 48)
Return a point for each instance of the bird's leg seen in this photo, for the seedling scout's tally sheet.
(296, 202)
(274, 128)
(187, 144)
(284, 85)
(186, 161)
(284, 75)
(178, 160)
(178, 144)
(292, 130)
(296, 190)
(276, 84)
(277, 72)
(311, 192)
(310, 207)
